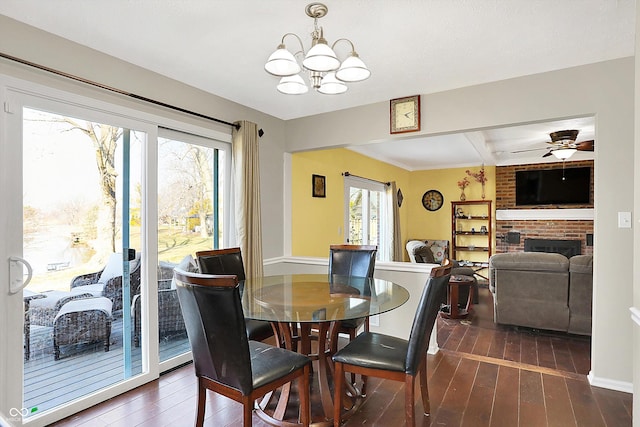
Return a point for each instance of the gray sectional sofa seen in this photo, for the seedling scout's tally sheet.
(542, 290)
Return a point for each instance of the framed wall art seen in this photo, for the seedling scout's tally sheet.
(318, 186)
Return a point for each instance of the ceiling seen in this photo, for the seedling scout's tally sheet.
(411, 47)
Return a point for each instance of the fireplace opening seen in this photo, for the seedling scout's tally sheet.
(567, 248)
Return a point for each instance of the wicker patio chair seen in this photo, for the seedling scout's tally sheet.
(108, 281)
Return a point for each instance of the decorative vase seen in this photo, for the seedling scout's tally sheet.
(463, 197)
(483, 191)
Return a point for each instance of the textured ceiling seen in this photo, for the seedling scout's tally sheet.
(411, 46)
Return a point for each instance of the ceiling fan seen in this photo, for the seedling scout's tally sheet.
(563, 144)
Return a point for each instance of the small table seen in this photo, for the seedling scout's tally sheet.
(293, 304)
(452, 311)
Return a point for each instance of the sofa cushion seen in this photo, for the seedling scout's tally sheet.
(439, 248)
(581, 264)
(530, 261)
(419, 252)
(580, 294)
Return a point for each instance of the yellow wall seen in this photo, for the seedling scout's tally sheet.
(319, 222)
(424, 224)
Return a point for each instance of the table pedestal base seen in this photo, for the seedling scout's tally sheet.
(281, 408)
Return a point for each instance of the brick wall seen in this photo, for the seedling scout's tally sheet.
(547, 229)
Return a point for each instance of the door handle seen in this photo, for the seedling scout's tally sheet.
(16, 281)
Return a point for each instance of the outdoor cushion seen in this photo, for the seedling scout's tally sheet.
(187, 264)
(112, 269)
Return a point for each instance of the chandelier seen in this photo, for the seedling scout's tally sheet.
(327, 74)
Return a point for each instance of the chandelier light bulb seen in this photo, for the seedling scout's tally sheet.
(282, 63)
(321, 58)
(292, 85)
(332, 86)
(353, 69)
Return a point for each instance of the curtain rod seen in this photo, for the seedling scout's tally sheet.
(368, 179)
(112, 89)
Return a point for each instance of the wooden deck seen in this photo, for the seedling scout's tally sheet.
(82, 369)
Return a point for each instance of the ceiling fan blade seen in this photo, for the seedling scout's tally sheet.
(531, 149)
(547, 154)
(585, 145)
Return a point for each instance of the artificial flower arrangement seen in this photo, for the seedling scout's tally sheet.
(479, 176)
(464, 183)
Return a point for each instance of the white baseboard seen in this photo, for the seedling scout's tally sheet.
(622, 386)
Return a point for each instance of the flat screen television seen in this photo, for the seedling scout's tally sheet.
(553, 186)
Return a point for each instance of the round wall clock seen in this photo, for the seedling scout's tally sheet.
(432, 200)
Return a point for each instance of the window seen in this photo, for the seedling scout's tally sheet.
(366, 215)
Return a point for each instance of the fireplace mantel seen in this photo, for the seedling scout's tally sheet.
(544, 214)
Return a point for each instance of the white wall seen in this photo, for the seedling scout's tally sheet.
(604, 90)
(636, 236)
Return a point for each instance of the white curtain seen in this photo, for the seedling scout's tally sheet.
(395, 243)
(245, 172)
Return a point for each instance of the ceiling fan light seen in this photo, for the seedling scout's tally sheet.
(321, 58)
(353, 69)
(563, 153)
(332, 86)
(282, 63)
(292, 85)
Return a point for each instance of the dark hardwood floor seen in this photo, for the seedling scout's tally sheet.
(484, 375)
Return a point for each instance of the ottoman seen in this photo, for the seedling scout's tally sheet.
(42, 311)
(82, 321)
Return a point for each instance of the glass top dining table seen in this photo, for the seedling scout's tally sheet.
(319, 297)
(308, 308)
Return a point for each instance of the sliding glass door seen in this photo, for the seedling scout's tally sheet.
(81, 236)
(193, 176)
(75, 210)
(101, 203)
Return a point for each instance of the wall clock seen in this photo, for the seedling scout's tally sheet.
(432, 200)
(405, 114)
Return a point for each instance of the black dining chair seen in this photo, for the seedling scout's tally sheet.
(229, 261)
(357, 261)
(352, 260)
(225, 360)
(388, 357)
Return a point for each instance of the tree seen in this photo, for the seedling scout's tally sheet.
(189, 188)
(105, 141)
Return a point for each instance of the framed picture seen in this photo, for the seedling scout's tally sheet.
(318, 186)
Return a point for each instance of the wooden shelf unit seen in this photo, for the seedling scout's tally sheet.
(469, 241)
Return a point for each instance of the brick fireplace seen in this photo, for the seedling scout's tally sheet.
(554, 226)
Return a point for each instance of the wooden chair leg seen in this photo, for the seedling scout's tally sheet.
(409, 396)
(202, 400)
(424, 388)
(247, 411)
(364, 378)
(303, 395)
(352, 336)
(337, 393)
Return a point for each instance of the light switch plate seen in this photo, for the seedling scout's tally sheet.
(624, 219)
